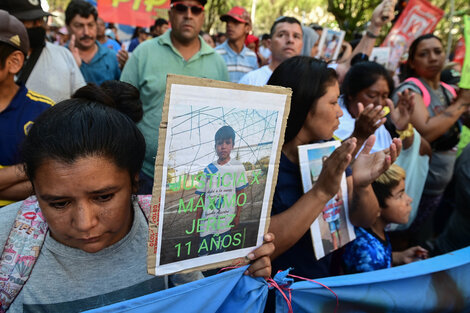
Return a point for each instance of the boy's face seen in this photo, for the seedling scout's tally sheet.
(223, 147)
(398, 205)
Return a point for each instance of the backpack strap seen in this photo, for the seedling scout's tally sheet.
(145, 204)
(424, 91)
(450, 89)
(21, 251)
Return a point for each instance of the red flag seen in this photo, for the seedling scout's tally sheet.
(460, 51)
(419, 17)
(131, 12)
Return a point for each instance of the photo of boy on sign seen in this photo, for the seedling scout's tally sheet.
(222, 192)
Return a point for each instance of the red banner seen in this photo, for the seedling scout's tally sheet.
(131, 12)
(460, 51)
(419, 17)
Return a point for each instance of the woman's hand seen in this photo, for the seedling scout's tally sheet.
(464, 97)
(401, 114)
(368, 167)
(260, 258)
(329, 180)
(370, 118)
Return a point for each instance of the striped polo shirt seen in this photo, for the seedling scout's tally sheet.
(238, 64)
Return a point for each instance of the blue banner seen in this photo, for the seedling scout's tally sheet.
(230, 291)
(439, 284)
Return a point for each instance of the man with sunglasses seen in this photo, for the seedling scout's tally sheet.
(178, 51)
(239, 59)
(49, 69)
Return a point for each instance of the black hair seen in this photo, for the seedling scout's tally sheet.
(89, 124)
(265, 37)
(308, 78)
(160, 22)
(283, 19)
(361, 76)
(412, 52)
(79, 7)
(225, 132)
(5, 51)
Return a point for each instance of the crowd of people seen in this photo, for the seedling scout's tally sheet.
(79, 121)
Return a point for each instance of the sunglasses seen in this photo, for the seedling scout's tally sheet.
(180, 7)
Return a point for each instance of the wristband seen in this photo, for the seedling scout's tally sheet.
(371, 34)
(408, 132)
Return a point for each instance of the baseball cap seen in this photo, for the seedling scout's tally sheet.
(13, 32)
(202, 2)
(25, 10)
(238, 14)
(450, 76)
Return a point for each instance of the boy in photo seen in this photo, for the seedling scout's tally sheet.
(222, 191)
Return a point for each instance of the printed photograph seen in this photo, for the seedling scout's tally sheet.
(218, 164)
(330, 44)
(332, 229)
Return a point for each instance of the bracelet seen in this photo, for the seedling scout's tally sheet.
(371, 34)
(408, 132)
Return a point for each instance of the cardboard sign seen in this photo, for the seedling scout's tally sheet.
(418, 18)
(218, 154)
(131, 12)
(465, 78)
(332, 229)
(330, 44)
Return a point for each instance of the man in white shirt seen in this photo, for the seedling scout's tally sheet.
(285, 42)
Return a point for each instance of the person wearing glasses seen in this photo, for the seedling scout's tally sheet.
(179, 51)
(51, 69)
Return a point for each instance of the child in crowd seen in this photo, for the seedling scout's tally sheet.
(372, 249)
(222, 189)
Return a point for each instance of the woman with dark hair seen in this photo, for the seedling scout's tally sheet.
(313, 117)
(369, 84)
(435, 116)
(83, 158)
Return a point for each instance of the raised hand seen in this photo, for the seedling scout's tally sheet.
(370, 118)
(333, 168)
(75, 51)
(368, 167)
(122, 56)
(401, 114)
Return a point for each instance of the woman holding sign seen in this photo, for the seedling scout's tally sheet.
(436, 115)
(83, 157)
(313, 117)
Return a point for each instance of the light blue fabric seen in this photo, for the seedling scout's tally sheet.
(439, 284)
(230, 291)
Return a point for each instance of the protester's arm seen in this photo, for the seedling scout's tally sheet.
(366, 169)
(290, 225)
(382, 14)
(369, 120)
(409, 255)
(432, 128)
(14, 184)
(122, 56)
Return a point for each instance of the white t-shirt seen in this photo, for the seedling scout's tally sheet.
(265, 52)
(55, 74)
(220, 188)
(257, 77)
(346, 127)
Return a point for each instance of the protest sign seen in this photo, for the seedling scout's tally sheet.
(332, 229)
(216, 168)
(330, 44)
(131, 12)
(465, 78)
(380, 55)
(418, 18)
(459, 55)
